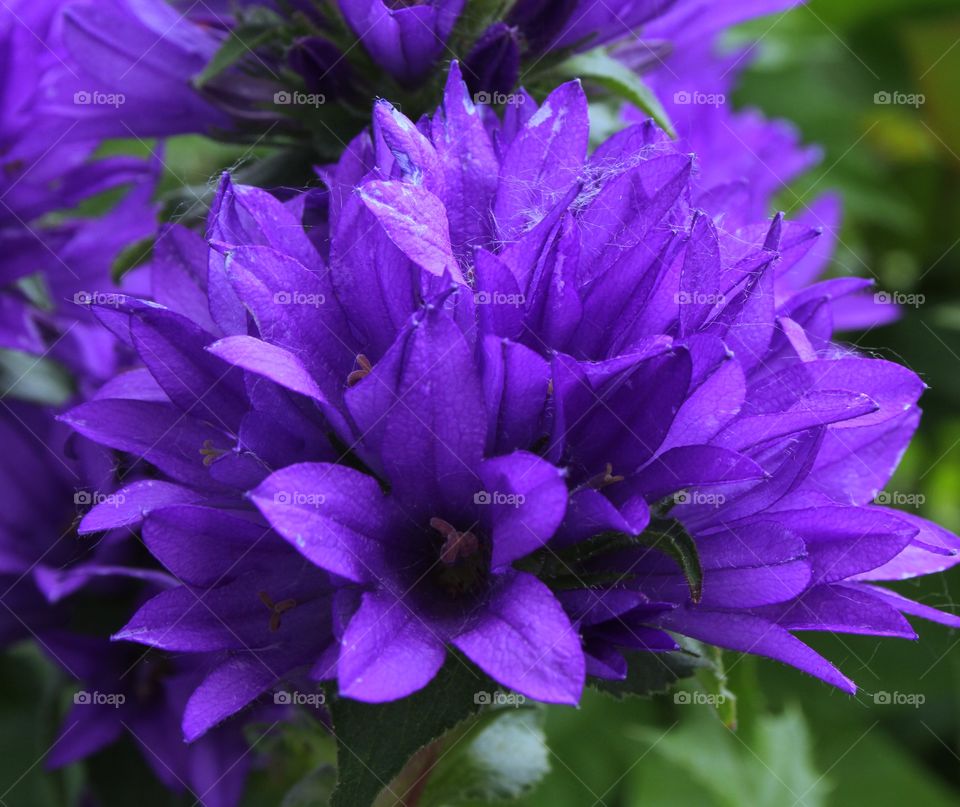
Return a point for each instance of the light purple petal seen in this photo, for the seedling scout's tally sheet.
(387, 652)
(524, 640)
(526, 498)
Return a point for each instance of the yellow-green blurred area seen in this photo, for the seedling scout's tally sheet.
(897, 167)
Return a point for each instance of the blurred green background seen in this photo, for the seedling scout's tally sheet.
(798, 742)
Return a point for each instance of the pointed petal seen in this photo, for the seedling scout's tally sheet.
(524, 639)
(387, 652)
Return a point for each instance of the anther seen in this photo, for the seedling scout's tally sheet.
(362, 372)
(277, 610)
(600, 481)
(210, 452)
(456, 544)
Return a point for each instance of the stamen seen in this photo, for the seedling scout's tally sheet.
(364, 370)
(277, 610)
(211, 453)
(456, 544)
(600, 481)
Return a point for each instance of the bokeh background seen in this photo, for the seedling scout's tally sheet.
(897, 168)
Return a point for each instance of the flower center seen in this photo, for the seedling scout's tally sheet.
(607, 478)
(463, 563)
(211, 453)
(277, 609)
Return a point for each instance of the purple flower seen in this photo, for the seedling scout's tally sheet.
(743, 157)
(581, 23)
(405, 39)
(493, 64)
(126, 691)
(44, 174)
(127, 67)
(433, 559)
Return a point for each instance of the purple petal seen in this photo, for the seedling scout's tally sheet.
(692, 466)
(750, 634)
(543, 162)
(130, 505)
(335, 516)
(845, 541)
(276, 363)
(840, 609)
(155, 432)
(524, 640)
(416, 222)
(527, 499)
(436, 428)
(229, 544)
(387, 652)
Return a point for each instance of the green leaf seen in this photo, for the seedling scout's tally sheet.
(313, 790)
(132, 256)
(785, 749)
(498, 759)
(713, 677)
(775, 769)
(565, 569)
(676, 542)
(29, 378)
(257, 27)
(650, 674)
(375, 741)
(30, 689)
(599, 67)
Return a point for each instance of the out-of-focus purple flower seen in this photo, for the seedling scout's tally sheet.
(493, 65)
(321, 65)
(125, 690)
(405, 39)
(581, 23)
(45, 170)
(745, 161)
(127, 68)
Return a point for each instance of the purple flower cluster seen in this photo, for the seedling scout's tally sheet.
(477, 393)
(510, 398)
